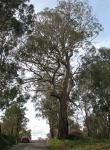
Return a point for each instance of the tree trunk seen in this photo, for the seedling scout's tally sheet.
(87, 122)
(88, 129)
(63, 121)
(109, 125)
(63, 97)
(51, 129)
(0, 129)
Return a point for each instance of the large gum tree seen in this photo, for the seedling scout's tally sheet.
(58, 33)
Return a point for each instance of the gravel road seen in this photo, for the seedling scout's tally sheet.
(36, 145)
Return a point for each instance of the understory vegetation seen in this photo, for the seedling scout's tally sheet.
(6, 141)
(79, 144)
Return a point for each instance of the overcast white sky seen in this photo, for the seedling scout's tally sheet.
(38, 126)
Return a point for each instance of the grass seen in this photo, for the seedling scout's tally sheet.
(80, 144)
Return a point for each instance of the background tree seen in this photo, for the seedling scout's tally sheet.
(16, 19)
(15, 22)
(14, 121)
(48, 52)
(93, 81)
(48, 107)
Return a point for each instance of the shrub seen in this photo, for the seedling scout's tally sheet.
(75, 135)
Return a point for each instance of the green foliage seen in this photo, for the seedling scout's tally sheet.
(58, 34)
(48, 107)
(25, 132)
(3, 141)
(93, 91)
(16, 19)
(15, 16)
(6, 141)
(14, 121)
(82, 144)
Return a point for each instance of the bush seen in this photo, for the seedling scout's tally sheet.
(75, 135)
(3, 141)
(6, 141)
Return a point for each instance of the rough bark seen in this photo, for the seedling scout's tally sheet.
(63, 121)
(51, 129)
(64, 98)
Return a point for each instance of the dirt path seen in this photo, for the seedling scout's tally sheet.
(36, 145)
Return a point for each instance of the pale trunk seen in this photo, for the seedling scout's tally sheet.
(109, 125)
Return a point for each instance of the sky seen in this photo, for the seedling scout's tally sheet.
(101, 9)
(38, 126)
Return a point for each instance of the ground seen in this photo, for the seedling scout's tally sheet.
(36, 145)
(77, 144)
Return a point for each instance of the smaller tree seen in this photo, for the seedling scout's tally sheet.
(14, 120)
(93, 89)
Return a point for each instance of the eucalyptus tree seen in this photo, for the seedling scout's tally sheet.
(15, 20)
(93, 85)
(58, 34)
(14, 121)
